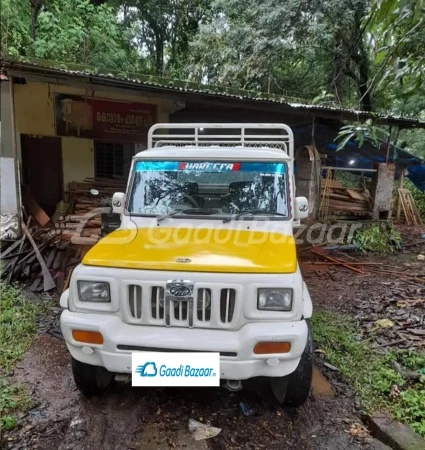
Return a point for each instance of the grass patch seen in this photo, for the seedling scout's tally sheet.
(369, 371)
(381, 238)
(17, 330)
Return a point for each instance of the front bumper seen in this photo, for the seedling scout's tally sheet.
(237, 362)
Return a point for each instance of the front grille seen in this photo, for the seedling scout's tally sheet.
(213, 307)
(227, 305)
(157, 302)
(135, 300)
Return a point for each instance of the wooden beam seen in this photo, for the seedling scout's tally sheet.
(48, 282)
(401, 184)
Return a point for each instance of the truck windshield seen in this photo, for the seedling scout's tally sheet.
(208, 188)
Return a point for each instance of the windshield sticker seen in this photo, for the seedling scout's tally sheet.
(207, 166)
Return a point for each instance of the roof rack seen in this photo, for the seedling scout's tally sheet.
(270, 135)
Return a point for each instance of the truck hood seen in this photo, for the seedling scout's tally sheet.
(196, 250)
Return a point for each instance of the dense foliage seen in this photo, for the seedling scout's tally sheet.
(363, 54)
(64, 31)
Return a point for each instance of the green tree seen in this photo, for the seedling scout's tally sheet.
(398, 31)
(163, 30)
(66, 31)
(15, 27)
(291, 47)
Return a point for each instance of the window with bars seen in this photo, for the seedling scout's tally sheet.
(113, 159)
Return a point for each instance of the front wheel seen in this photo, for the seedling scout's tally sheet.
(293, 389)
(90, 380)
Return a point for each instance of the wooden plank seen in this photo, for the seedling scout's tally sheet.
(48, 282)
(356, 195)
(319, 251)
(67, 280)
(15, 260)
(401, 184)
(35, 209)
(409, 207)
(331, 183)
(12, 247)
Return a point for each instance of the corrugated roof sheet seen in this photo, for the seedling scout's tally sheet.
(149, 82)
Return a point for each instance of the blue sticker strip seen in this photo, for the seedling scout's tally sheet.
(209, 166)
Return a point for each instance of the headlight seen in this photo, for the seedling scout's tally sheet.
(94, 291)
(275, 299)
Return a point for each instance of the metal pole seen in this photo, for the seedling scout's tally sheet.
(348, 169)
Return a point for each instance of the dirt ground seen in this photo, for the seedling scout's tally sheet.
(157, 418)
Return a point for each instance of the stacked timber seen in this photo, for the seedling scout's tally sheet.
(42, 258)
(344, 202)
(80, 229)
(81, 199)
(46, 253)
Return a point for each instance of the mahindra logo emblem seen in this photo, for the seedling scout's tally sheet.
(183, 260)
(303, 208)
(179, 291)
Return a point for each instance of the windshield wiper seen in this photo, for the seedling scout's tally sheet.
(204, 211)
(201, 211)
(250, 213)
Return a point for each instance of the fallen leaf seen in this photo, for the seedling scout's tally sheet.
(320, 350)
(394, 391)
(383, 323)
(358, 430)
(331, 367)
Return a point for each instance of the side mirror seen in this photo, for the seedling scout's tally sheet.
(118, 202)
(301, 208)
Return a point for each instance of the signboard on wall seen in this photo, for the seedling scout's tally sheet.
(103, 119)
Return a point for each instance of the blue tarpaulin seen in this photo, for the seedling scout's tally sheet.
(365, 157)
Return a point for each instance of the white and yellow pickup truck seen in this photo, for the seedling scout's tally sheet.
(204, 261)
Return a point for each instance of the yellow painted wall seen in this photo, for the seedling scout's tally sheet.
(77, 159)
(34, 112)
(34, 105)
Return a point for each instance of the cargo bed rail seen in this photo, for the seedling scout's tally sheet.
(259, 135)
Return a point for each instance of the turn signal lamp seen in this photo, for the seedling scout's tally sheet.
(88, 337)
(263, 348)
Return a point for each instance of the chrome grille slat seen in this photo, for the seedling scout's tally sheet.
(157, 294)
(135, 300)
(203, 304)
(227, 305)
(157, 302)
(203, 309)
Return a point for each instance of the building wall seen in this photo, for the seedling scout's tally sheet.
(8, 171)
(35, 115)
(77, 159)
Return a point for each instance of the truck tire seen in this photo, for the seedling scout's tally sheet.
(90, 380)
(293, 389)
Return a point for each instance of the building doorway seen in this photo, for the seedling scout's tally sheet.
(42, 170)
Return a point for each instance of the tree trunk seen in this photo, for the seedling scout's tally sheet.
(159, 51)
(35, 11)
(362, 60)
(364, 92)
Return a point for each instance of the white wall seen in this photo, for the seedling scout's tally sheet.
(9, 200)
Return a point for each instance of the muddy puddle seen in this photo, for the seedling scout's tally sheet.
(126, 418)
